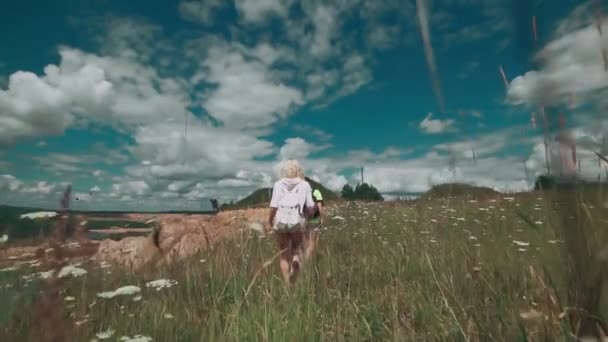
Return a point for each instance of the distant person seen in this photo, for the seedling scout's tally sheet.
(214, 205)
(311, 237)
(290, 204)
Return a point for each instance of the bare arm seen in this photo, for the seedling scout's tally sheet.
(320, 206)
(273, 212)
(273, 206)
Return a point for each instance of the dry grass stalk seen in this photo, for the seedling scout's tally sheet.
(52, 323)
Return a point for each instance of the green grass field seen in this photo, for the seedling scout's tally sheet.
(438, 270)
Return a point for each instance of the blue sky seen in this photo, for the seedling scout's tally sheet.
(140, 104)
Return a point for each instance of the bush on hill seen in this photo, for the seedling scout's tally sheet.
(459, 190)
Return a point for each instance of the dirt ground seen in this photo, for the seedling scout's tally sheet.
(178, 236)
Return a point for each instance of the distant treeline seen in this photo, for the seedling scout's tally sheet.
(361, 192)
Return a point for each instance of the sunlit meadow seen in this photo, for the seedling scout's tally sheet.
(455, 269)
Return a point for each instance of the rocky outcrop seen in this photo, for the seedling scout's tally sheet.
(179, 236)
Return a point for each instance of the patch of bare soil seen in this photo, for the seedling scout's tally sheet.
(177, 236)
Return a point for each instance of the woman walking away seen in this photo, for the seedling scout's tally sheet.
(290, 204)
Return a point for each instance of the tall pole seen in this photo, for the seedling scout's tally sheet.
(474, 157)
(362, 176)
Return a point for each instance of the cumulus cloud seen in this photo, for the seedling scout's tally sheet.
(298, 148)
(246, 95)
(570, 65)
(436, 126)
(106, 89)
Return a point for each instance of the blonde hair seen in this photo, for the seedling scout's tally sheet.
(291, 169)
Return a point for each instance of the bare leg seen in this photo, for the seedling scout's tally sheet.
(297, 239)
(284, 265)
(286, 255)
(312, 238)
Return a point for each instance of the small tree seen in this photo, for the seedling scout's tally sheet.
(348, 192)
(367, 192)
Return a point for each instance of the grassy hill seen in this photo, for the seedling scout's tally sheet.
(459, 190)
(261, 197)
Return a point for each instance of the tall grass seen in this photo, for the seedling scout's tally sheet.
(435, 270)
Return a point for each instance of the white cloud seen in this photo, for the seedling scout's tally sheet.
(246, 93)
(324, 19)
(383, 37)
(319, 82)
(41, 187)
(588, 140)
(107, 89)
(255, 11)
(298, 148)
(489, 20)
(200, 11)
(192, 166)
(129, 188)
(581, 16)
(571, 65)
(10, 183)
(31, 107)
(355, 75)
(95, 189)
(436, 126)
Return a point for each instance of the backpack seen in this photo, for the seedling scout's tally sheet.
(288, 216)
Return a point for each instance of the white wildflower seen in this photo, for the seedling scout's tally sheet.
(161, 283)
(71, 270)
(521, 243)
(104, 335)
(46, 275)
(39, 214)
(122, 291)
